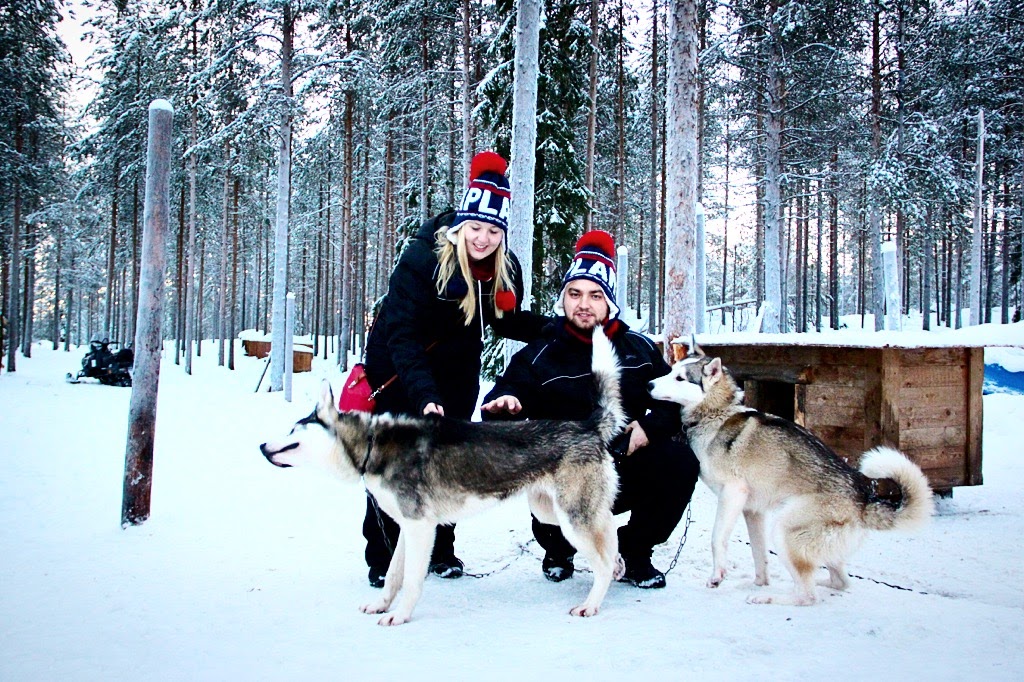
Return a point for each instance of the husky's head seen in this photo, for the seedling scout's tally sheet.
(315, 440)
(689, 379)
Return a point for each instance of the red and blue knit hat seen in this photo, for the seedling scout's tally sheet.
(488, 195)
(594, 260)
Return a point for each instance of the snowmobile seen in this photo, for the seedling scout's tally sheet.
(108, 367)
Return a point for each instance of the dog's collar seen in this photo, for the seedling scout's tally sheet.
(366, 457)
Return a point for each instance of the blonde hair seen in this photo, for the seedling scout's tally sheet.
(449, 255)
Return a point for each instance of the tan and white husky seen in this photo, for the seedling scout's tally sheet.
(758, 463)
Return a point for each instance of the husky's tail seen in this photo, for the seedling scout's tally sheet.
(605, 366)
(909, 509)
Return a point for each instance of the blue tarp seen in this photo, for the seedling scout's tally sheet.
(1000, 380)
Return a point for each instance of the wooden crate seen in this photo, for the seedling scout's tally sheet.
(924, 401)
(302, 360)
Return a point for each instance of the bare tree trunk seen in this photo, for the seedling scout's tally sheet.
(653, 267)
(524, 141)
(108, 314)
(232, 324)
(284, 172)
(681, 185)
(467, 100)
(773, 284)
(874, 238)
(978, 232)
(29, 297)
(926, 267)
(55, 333)
(595, 27)
(224, 236)
(833, 244)
(138, 469)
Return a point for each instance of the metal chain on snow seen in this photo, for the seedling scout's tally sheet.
(861, 577)
(523, 550)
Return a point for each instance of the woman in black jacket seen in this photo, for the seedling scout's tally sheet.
(455, 277)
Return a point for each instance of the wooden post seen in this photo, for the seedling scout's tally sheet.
(700, 288)
(978, 233)
(890, 274)
(138, 465)
(289, 341)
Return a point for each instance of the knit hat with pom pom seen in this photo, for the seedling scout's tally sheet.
(594, 260)
(487, 198)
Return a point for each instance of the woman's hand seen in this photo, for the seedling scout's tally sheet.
(433, 408)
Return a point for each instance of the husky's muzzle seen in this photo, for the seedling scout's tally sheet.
(270, 455)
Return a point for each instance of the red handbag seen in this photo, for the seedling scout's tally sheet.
(356, 394)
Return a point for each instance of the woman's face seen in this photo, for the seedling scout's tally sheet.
(481, 239)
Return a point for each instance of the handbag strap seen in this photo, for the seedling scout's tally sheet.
(376, 392)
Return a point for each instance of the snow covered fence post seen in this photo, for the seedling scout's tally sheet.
(893, 302)
(700, 288)
(138, 463)
(622, 277)
(289, 343)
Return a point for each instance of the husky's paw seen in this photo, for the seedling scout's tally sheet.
(761, 580)
(394, 619)
(620, 567)
(716, 578)
(378, 606)
(584, 611)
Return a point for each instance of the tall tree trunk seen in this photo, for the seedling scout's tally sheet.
(232, 324)
(284, 159)
(524, 141)
(653, 267)
(467, 98)
(874, 237)
(978, 232)
(928, 245)
(595, 48)
(108, 313)
(833, 243)
(681, 185)
(28, 291)
(774, 301)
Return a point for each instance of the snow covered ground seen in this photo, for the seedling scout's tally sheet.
(246, 571)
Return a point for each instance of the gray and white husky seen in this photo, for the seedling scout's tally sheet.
(758, 463)
(429, 470)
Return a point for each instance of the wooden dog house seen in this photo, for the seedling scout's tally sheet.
(302, 357)
(924, 401)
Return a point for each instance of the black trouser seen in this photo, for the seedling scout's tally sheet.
(381, 533)
(655, 484)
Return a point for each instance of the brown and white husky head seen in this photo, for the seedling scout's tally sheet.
(690, 379)
(322, 440)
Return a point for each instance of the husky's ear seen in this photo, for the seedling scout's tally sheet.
(713, 372)
(326, 396)
(695, 350)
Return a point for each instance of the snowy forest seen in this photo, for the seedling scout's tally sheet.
(836, 125)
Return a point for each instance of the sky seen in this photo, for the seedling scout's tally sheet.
(247, 571)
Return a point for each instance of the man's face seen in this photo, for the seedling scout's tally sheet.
(585, 304)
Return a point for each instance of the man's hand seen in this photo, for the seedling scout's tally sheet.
(637, 437)
(433, 408)
(505, 403)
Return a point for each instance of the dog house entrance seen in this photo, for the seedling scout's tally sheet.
(773, 397)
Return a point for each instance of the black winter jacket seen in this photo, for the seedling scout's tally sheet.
(413, 315)
(551, 377)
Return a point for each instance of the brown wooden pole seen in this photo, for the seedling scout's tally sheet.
(138, 465)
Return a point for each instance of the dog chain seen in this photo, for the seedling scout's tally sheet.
(862, 577)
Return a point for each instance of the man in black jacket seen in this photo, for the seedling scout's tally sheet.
(551, 379)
